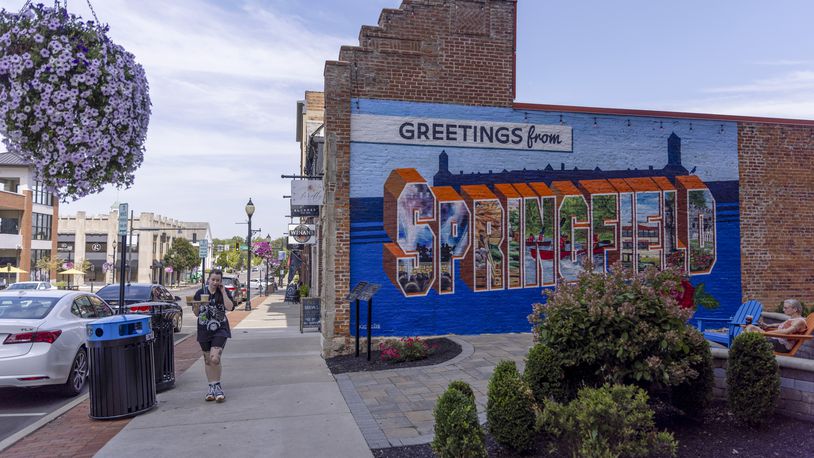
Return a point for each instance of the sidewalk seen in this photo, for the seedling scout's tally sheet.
(281, 400)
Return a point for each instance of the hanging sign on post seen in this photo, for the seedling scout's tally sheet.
(306, 197)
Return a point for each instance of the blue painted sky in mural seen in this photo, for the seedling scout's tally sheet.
(608, 142)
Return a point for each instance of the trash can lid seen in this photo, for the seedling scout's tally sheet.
(118, 327)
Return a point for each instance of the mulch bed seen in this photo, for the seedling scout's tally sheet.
(445, 351)
(716, 434)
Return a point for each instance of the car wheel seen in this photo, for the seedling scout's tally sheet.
(78, 375)
(179, 322)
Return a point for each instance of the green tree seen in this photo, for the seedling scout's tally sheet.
(181, 255)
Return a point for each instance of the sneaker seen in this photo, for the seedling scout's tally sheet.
(210, 396)
(219, 396)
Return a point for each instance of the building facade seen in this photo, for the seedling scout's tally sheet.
(28, 221)
(465, 205)
(310, 135)
(96, 239)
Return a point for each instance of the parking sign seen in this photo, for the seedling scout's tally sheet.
(203, 248)
(123, 219)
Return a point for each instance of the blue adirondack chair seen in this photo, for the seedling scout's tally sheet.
(753, 308)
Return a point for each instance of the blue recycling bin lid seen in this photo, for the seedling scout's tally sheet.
(118, 327)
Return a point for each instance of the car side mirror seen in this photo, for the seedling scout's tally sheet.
(176, 298)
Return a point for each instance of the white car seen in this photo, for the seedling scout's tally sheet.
(43, 340)
(37, 285)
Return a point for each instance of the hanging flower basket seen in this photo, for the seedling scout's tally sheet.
(71, 101)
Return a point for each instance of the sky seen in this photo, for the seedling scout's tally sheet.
(225, 77)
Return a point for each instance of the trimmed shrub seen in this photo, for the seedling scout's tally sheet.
(752, 378)
(457, 432)
(544, 374)
(695, 394)
(620, 327)
(463, 387)
(610, 421)
(510, 408)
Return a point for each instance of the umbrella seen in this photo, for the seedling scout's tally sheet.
(71, 272)
(12, 270)
(9, 269)
(68, 272)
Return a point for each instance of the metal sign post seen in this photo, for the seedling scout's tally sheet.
(364, 291)
(203, 247)
(123, 244)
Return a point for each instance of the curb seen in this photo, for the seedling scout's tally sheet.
(19, 435)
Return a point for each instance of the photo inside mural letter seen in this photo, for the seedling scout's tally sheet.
(494, 234)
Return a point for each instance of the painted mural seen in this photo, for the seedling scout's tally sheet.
(469, 252)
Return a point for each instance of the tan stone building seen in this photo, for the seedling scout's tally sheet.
(28, 220)
(95, 239)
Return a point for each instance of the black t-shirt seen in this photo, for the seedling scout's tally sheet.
(212, 320)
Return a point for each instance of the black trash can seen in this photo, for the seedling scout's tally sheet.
(164, 347)
(122, 367)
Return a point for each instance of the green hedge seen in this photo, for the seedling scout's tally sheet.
(752, 378)
(457, 432)
(510, 409)
(544, 374)
(611, 421)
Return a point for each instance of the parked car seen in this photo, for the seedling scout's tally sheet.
(43, 340)
(235, 287)
(146, 299)
(37, 285)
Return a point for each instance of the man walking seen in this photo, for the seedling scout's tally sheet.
(213, 330)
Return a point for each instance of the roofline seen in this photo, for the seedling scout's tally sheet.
(659, 114)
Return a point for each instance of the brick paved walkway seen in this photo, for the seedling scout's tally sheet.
(394, 407)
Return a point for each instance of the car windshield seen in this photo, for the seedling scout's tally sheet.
(26, 307)
(228, 281)
(132, 293)
(23, 286)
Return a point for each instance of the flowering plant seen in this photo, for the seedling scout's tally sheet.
(405, 349)
(71, 101)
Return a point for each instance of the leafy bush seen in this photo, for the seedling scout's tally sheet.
(610, 421)
(405, 349)
(619, 328)
(463, 387)
(457, 432)
(752, 378)
(510, 408)
(694, 395)
(544, 374)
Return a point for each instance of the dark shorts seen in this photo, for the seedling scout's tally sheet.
(778, 346)
(217, 341)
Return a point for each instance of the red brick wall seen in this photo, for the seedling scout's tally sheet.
(447, 51)
(776, 212)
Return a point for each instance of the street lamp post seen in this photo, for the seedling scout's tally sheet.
(249, 213)
(268, 240)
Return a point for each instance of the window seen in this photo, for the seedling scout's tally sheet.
(41, 195)
(102, 309)
(41, 226)
(83, 308)
(37, 273)
(9, 226)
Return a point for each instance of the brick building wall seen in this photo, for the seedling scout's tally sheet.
(777, 208)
